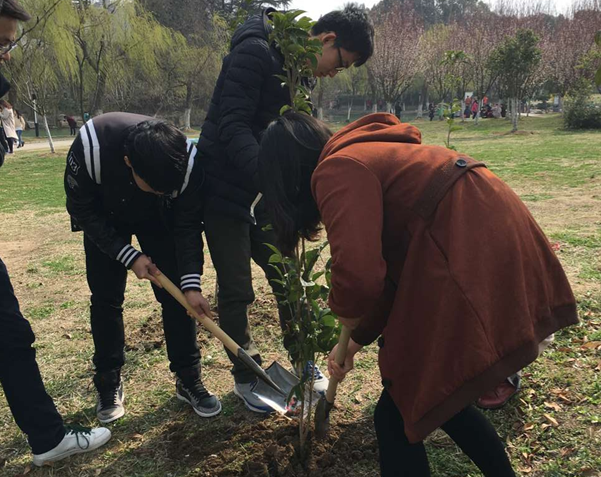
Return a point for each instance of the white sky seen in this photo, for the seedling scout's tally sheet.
(316, 8)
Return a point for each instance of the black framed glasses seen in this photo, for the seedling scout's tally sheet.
(340, 61)
(6, 49)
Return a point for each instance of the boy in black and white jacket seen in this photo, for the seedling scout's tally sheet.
(128, 175)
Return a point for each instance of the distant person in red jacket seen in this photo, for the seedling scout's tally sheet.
(419, 237)
(475, 107)
(72, 124)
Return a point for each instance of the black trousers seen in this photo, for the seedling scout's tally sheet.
(32, 408)
(470, 430)
(107, 279)
(232, 244)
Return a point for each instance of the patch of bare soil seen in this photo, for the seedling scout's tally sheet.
(275, 450)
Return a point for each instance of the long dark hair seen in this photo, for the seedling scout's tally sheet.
(290, 148)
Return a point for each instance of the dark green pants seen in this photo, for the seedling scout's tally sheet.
(232, 244)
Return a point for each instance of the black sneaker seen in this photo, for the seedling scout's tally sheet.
(194, 393)
(110, 397)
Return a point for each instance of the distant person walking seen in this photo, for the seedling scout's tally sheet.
(431, 111)
(475, 107)
(8, 123)
(20, 126)
(72, 124)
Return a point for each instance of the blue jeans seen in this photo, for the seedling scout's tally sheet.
(20, 135)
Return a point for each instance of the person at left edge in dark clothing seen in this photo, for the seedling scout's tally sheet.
(31, 406)
(129, 175)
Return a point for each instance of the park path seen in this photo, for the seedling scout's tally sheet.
(43, 146)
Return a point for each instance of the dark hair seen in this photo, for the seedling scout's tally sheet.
(5, 104)
(158, 153)
(354, 30)
(12, 9)
(290, 148)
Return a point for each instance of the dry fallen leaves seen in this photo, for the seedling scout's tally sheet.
(553, 405)
(592, 345)
(552, 420)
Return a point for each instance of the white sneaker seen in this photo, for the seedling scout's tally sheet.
(77, 440)
(245, 392)
(320, 382)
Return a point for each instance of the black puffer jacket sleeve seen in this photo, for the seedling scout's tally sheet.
(188, 226)
(84, 204)
(240, 99)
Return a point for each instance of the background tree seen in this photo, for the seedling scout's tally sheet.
(353, 81)
(396, 53)
(568, 46)
(516, 61)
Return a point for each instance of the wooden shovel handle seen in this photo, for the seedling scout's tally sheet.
(209, 324)
(343, 340)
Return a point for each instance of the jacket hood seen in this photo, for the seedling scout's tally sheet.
(377, 127)
(257, 26)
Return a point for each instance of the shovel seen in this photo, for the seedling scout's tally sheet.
(221, 335)
(325, 404)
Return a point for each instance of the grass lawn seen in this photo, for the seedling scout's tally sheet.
(552, 429)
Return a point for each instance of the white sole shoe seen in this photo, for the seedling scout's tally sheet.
(250, 407)
(72, 444)
(197, 411)
(119, 415)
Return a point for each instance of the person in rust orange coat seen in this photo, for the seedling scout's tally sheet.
(433, 254)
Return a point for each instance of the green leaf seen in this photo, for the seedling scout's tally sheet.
(275, 258)
(285, 108)
(329, 320)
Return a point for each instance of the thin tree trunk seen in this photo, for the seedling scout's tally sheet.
(350, 108)
(186, 119)
(50, 142)
(463, 110)
(188, 107)
(514, 115)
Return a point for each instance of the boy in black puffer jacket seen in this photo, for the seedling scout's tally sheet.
(247, 97)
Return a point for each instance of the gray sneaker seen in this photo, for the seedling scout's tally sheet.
(194, 393)
(77, 440)
(245, 392)
(110, 404)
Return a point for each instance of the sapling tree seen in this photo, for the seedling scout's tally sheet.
(449, 112)
(313, 327)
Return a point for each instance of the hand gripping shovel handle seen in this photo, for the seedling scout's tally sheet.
(343, 341)
(324, 406)
(221, 335)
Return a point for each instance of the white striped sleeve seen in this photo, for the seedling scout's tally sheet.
(91, 149)
(128, 255)
(191, 281)
(191, 156)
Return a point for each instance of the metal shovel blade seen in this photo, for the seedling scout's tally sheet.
(266, 379)
(286, 381)
(322, 417)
